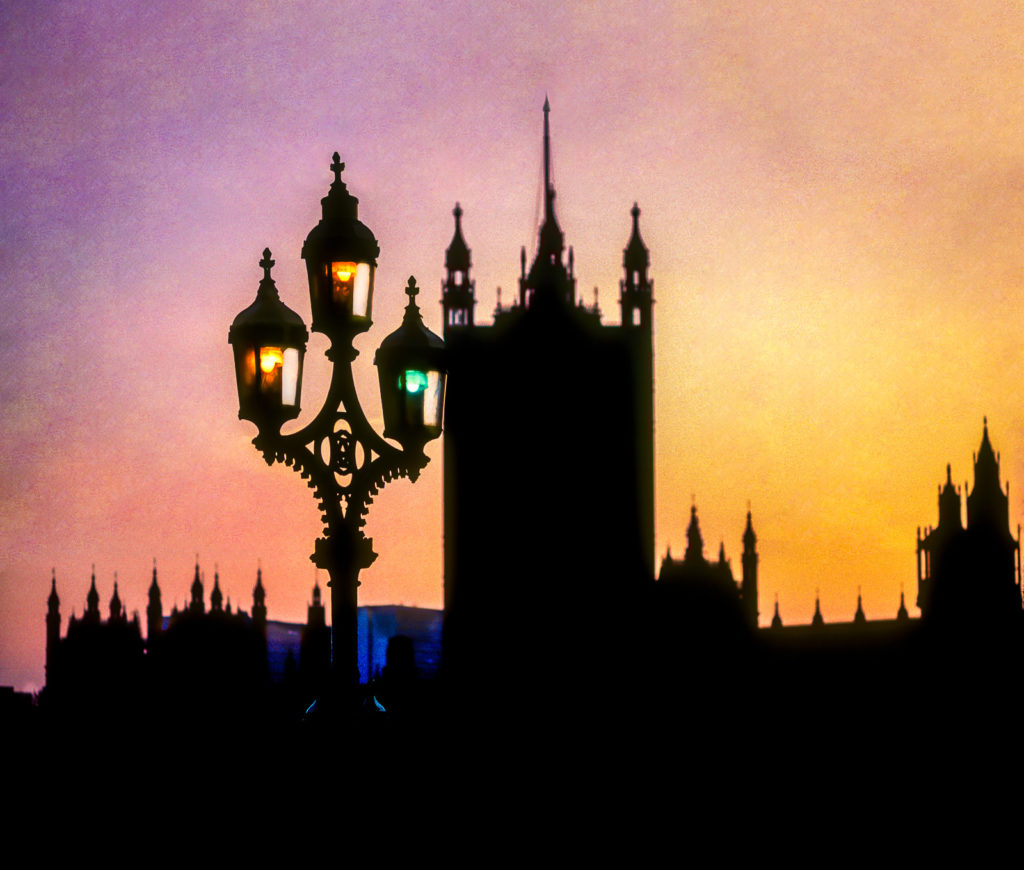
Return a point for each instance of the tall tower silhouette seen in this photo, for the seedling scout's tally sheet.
(549, 475)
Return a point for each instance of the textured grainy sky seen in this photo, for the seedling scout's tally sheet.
(833, 196)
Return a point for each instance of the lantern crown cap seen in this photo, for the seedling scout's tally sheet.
(339, 203)
(267, 310)
(412, 291)
(266, 264)
(412, 332)
(340, 235)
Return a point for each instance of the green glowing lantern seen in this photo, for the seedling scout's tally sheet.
(412, 370)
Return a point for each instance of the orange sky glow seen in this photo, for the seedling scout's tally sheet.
(832, 195)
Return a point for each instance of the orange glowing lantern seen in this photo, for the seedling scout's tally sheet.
(269, 341)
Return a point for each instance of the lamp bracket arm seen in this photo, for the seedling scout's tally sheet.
(341, 457)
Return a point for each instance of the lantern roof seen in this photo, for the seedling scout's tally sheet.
(340, 233)
(412, 333)
(268, 312)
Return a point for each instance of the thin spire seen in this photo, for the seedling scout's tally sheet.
(548, 193)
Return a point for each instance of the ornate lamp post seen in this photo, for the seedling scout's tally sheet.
(338, 453)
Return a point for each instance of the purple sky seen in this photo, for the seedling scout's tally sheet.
(833, 198)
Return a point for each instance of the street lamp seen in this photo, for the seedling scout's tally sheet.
(338, 453)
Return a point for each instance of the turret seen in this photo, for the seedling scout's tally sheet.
(748, 585)
(859, 618)
(154, 610)
(92, 602)
(196, 604)
(52, 629)
(949, 505)
(315, 646)
(987, 504)
(636, 288)
(457, 289)
(216, 596)
(316, 615)
(116, 608)
(817, 619)
(259, 604)
(694, 539)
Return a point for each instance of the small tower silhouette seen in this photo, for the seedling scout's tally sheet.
(636, 288)
(259, 604)
(315, 646)
(636, 300)
(52, 629)
(817, 619)
(117, 612)
(154, 610)
(92, 602)
(458, 289)
(196, 604)
(216, 596)
(987, 503)
(694, 539)
(902, 615)
(748, 585)
(859, 618)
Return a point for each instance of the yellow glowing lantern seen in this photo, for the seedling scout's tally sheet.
(341, 255)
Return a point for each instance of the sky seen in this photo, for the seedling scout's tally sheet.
(832, 194)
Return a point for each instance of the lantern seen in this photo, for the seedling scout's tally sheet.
(269, 341)
(341, 255)
(411, 366)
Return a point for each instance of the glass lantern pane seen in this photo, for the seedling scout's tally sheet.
(361, 291)
(423, 397)
(290, 376)
(247, 372)
(434, 400)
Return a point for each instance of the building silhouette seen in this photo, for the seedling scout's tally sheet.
(555, 618)
(211, 664)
